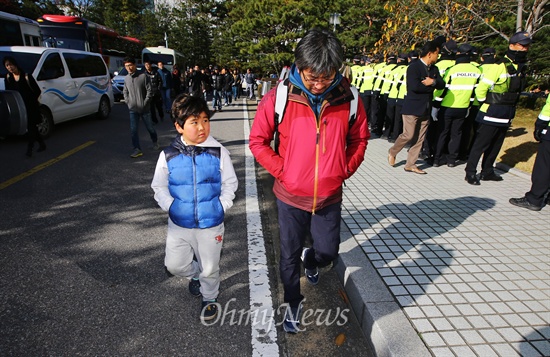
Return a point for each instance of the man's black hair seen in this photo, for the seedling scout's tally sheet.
(430, 46)
(319, 51)
(129, 60)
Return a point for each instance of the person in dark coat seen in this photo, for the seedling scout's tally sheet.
(422, 79)
(26, 85)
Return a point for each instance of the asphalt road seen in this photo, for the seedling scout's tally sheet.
(82, 248)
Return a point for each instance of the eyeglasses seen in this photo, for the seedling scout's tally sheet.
(318, 80)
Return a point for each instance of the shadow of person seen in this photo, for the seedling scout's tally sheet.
(521, 153)
(516, 132)
(390, 256)
(536, 343)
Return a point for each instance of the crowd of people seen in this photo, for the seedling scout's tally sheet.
(220, 84)
(465, 111)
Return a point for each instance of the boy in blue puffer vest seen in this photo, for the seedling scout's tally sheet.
(195, 183)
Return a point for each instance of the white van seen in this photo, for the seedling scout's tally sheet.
(73, 83)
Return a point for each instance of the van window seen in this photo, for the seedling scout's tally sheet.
(27, 61)
(52, 68)
(83, 65)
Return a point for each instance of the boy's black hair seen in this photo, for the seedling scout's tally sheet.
(129, 60)
(185, 106)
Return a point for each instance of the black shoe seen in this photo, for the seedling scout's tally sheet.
(472, 180)
(452, 164)
(195, 287)
(522, 202)
(209, 310)
(391, 141)
(491, 177)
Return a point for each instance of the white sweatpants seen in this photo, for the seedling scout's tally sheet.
(206, 245)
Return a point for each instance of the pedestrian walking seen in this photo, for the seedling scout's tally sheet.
(422, 79)
(319, 148)
(138, 94)
(195, 182)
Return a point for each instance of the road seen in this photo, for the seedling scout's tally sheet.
(81, 257)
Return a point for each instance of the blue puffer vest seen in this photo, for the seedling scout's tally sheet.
(195, 183)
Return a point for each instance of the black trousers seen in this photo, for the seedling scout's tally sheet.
(366, 100)
(397, 121)
(450, 122)
(381, 114)
(390, 115)
(488, 143)
(294, 225)
(540, 178)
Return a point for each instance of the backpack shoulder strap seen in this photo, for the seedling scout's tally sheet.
(280, 106)
(353, 106)
(280, 101)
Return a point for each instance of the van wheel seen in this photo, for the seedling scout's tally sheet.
(45, 126)
(104, 108)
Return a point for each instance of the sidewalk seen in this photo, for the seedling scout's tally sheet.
(434, 266)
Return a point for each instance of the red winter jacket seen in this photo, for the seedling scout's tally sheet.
(315, 156)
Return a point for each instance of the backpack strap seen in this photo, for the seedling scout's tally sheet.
(280, 106)
(353, 106)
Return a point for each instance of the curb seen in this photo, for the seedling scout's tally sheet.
(385, 326)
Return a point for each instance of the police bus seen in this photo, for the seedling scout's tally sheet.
(19, 31)
(165, 55)
(77, 33)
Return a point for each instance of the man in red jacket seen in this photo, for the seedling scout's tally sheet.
(319, 147)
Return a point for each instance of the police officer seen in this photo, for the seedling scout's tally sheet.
(356, 72)
(499, 90)
(383, 82)
(365, 90)
(540, 178)
(396, 77)
(454, 102)
(488, 59)
(375, 104)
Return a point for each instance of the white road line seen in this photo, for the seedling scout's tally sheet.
(264, 333)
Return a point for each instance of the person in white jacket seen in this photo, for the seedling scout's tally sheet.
(195, 182)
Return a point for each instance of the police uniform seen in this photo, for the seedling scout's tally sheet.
(375, 104)
(499, 91)
(365, 89)
(383, 82)
(396, 77)
(454, 102)
(356, 72)
(540, 178)
(488, 58)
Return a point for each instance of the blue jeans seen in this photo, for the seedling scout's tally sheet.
(217, 102)
(235, 90)
(165, 93)
(134, 121)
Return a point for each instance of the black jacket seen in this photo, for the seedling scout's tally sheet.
(419, 97)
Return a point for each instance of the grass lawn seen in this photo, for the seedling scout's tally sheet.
(520, 148)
